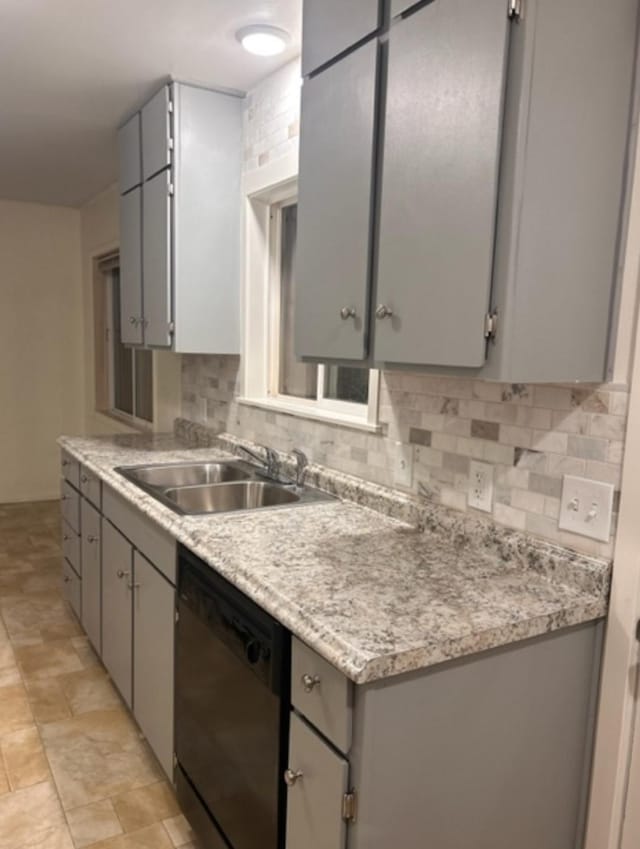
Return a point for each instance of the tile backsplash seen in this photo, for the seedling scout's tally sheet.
(531, 434)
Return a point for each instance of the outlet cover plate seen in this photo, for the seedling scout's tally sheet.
(480, 486)
(403, 468)
(586, 507)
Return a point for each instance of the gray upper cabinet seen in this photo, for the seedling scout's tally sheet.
(180, 246)
(156, 259)
(444, 103)
(154, 615)
(129, 154)
(332, 26)
(131, 322)
(156, 134)
(117, 619)
(398, 7)
(334, 212)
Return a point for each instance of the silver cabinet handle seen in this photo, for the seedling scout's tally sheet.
(65, 537)
(383, 311)
(309, 682)
(133, 320)
(347, 312)
(91, 538)
(131, 586)
(121, 574)
(292, 776)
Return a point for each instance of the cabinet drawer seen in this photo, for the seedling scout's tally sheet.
(156, 545)
(70, 469)
(72, 588)
(318, 779)
(322, 694)
(71, 546)
(90, 487)
(70, 505)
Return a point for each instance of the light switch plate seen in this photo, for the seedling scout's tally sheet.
(480, 486)
(403, 469)
(586, 507)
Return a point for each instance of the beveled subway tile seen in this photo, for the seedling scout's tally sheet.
(48, 660)
(24, 758)
(146, 806)
(32, 817)
(97, 755)
(92, 823)
(15, 711)
(47, 700)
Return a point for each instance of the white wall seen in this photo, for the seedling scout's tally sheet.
(41, 351)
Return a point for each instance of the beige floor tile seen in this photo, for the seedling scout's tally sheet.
(30, 817)
(152, 837)
(47, 700)
(90, 689)
(4, 781)
(145, 806)
(9, 672)
(24, 759)
(58, 837)
(24, 614)
(48, 660)
(97, 755)
(85, 652)
(15, 711)
(179, 830)
(92, 823)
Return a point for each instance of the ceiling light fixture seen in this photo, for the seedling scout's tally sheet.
(263, 40)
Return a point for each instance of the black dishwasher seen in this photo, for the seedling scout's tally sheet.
(232, 704)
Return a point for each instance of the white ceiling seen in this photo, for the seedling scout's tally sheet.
(71, 70)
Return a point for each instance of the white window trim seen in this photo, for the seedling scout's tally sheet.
(277, 184)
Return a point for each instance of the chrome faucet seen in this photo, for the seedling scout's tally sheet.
(302, 461)
(270, 461)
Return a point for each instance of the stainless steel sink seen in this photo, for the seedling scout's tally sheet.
(218, 487)
(222, 498)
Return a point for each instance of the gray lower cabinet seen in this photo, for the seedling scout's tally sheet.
(319, 780)
(156, 260)
(334, 210)
(117, 619)
(131, 320)
(443, 127)
(329, 27)
(153, 648)
(72, 588)
(91, 574)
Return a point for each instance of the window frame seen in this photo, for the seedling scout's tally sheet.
(262, 302)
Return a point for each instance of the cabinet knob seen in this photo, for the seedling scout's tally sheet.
(309, 682)
(133, 320)
(292, 776)
(347, 312)
(383, 311)
(121, 574)
(131, 586)
(91, 538)
(65, 463)
(64, 498)
(84, 479)
(66, 579)
(66, 537)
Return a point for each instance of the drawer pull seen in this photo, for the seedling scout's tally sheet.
(121, 574)
(131, 586)
(84, 479)
(309, 682)
(291, 776)
(65, 463)
(91, 538)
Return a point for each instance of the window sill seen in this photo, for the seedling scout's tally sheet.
(129, 421)
(327, 416)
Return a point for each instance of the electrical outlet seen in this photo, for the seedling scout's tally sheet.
(586, 507)
(481, 486)
(403, 469)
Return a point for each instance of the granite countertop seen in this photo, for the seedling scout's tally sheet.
(373, 595)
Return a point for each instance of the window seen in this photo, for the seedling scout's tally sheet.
(343, 394)
(124, 375)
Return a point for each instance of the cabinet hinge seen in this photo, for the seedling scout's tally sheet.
(170, 106)
(514, 9)
(170, 144)
(490, 325)
(172, 328)
(170, 189)
(177, 615)
(175, 760)
(349, 806)
(638, 630)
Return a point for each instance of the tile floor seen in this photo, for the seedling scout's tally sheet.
(74, 770)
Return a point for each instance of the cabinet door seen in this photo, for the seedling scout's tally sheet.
(156, 134)
(91, 574)
(156, 260)
(72, 588)
(332, 270)
(446, 80)
(314, 802)
(330, 27)
(154, 622)
(117, 620)
(129, 153)
(131, 267)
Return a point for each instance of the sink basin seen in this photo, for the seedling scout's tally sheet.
(188, 474)
(221, 498)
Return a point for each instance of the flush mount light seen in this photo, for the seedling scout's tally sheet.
(263, 40)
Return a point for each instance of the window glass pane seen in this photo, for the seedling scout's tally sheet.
(297, 379)
(144, 385)
(347, 384)
(122, 356)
